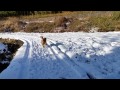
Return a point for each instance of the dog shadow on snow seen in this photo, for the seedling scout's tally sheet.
(55, 44)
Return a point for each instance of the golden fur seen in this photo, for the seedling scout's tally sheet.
(43, 41)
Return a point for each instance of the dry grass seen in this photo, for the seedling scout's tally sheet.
(82, 21)
(105, 21)
(13, 41)
(85, 20)
(31, 17)
(40, 27)
(13, 24)
(60, 21)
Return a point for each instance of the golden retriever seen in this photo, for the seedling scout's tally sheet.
(43, 41)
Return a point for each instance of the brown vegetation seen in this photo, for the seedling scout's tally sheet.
(78, 21)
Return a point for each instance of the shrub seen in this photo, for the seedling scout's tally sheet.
(60, 21)
(11, 25)
(40, 27)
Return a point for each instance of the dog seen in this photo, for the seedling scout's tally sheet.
(43, 41)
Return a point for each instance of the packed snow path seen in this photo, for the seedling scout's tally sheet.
(41, 60)
(76, 56)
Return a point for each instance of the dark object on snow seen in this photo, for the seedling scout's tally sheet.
(90, 76)
(4, 50)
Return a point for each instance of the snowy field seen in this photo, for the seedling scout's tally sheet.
(67, 56)
(2, 47)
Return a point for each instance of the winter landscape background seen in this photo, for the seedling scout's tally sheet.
(89, 54)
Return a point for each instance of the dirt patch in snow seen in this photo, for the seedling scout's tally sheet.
(7, 53)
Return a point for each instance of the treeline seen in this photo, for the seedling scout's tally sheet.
(18, 13)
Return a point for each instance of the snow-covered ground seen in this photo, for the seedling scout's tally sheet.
(2, 47)
(67, 56)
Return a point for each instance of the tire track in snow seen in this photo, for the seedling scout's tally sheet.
(60, 53)
(25, 62)
(19, 66)
(69, 61)
(37, 55)
(24, 71)
(38, 52)
(51, 68)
